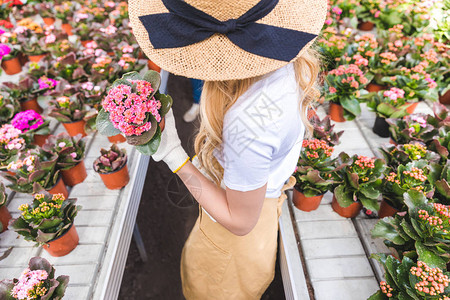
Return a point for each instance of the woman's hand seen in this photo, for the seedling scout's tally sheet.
(170, 150)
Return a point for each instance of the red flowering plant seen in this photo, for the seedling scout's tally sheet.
(361, 51)
(388, 104)
(412, 176)
(417, 84)
(36, 282)
(135, 108)
(359, 180)
(422, 232)
(31, 123)
(314, 167)
(344, 86)
(332, 46)
(368, 10)
(408, 280)
(383, 64)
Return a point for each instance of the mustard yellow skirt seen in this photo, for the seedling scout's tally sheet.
(216, 264)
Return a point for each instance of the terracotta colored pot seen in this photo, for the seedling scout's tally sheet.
(412, 107)
(381, 127)
(336, 112)
(373, 87)
(117, 179)
(306, 203)
(5, 216)
(162, 124)
(347, 212)
(152, 66)
(31, 104)
(117, 139)
(75, 128)
(110, 53)
(40, 139)
(386, 210)
(59, 188)
(67, 28)
(12, 66)
(75, 175)
(36, 58)
(63, 244)
(445, 99)
(49, 21)
(365, 26)
(84, 43)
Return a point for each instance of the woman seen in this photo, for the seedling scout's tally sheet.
(259, 73)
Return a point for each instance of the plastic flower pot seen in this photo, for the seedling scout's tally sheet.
(36, 58)
(445, 99)
(152, 66)
(306, 203)
(381, 127)
(373, 87)
(75, 175)
(67, 28)
(386, 210)
(11, 66)
(48, 21)
(117, 139)
(75, 128)
(40, 139)
(117, 179)
(347, 212)
(412, 107)
(63, 244)
(59, 188)
(365, 26)
(5, 216)
(84, 43)
(336, 112)
(31, 104)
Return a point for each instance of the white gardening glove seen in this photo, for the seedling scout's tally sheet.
(170, 150)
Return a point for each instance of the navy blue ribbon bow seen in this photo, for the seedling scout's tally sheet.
(185, 25)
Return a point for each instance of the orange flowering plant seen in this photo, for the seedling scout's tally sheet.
(408, 280)
(422, 233)
(359, 179)
(314, 167)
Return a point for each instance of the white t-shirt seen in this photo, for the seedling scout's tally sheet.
(263, 134)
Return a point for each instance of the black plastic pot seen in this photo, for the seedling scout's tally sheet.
(381, 127)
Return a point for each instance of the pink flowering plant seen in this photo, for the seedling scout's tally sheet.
(33, 172)
(8, 107)
(344, 86)
(68, 109)
(422, 232)
(383, 64)
(12, 141)
(410, 128)
(7, 52)
(414, 175)
(46, 218)
(417, 84)
(406, 279)
(69, 150)
(332, 46)
(31, 123)
(36, 282)
(368, 10)
(389, 103)
(314, 167)
(135, 108)
(359, 180)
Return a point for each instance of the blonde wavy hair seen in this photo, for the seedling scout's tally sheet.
(218, 96)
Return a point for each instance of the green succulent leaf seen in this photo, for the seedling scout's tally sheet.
(343, 197)
(430, 258)
(104, 125)
(152, 146)
(351, 105)
(385, 229)
(166, 104)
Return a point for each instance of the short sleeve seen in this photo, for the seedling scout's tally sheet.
(246, 155)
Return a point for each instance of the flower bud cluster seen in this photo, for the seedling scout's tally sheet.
(415, 151)
(432, 280)
(317, 149)
(386, 289)
(30, 285)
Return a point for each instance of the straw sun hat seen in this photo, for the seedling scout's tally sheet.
(225, 39)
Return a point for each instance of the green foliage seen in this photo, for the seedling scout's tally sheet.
(3, 195)
(46, 218)
(323, 130)
(110, 160)
(8, 108)
(406, 153)
(69, 150)
(440, 179)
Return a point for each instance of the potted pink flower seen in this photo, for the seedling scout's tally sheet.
(70, 111)
(134, 108)
(11, 142)
(33, 124)
(9, 59)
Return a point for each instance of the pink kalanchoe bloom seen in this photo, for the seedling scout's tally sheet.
(27, 120)
(50, 39)
(47, 83)
(4, 50)
(87, 86)
(73, 154)
(61, 145)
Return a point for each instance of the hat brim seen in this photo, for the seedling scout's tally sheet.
(217, 58)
